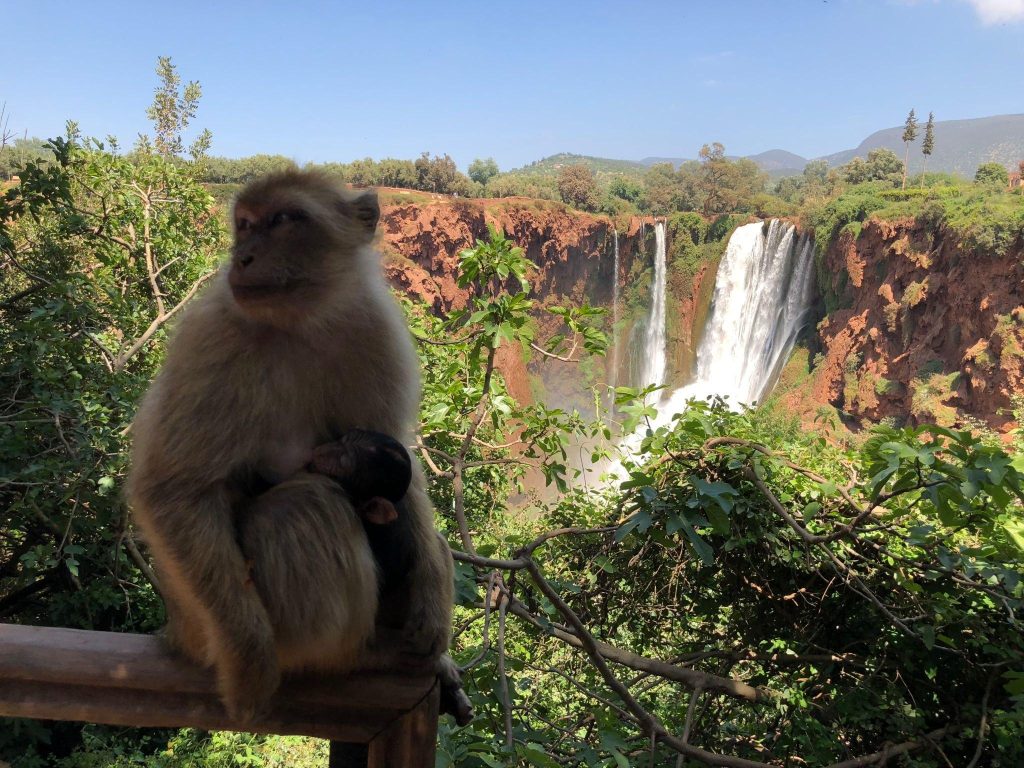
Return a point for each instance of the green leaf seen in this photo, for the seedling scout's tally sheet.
(928, 636)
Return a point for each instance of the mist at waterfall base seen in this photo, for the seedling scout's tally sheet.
(762, 298)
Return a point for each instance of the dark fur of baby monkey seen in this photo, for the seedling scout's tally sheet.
(375, 471)
(373, 468)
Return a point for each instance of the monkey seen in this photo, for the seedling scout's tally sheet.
(295, 342)
(373, 468)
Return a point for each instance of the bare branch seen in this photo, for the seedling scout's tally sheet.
(983, 725)
(880, 758)
(123, 358)
(648, 722)
(506, 698)
(140, 562)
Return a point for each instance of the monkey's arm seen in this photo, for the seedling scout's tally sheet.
(214, 612)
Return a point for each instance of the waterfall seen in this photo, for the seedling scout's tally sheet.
(653, 371)
(763, 293)
(615, 313)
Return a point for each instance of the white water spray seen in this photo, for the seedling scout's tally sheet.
(653, 371)
(763, 293)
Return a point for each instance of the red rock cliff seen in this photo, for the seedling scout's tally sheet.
(928, 329)
(573, 252)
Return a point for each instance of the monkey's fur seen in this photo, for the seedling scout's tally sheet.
(296, 341)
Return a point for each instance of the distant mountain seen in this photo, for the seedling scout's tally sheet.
(777, 160)
(960, 145)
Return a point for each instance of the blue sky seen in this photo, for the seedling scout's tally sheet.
(339, 81)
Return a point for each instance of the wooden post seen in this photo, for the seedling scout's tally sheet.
(410, 740)
(121, 679)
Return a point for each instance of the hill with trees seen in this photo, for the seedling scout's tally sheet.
(960, 145)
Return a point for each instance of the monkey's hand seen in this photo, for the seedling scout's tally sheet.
(454, 700)
(366, 464)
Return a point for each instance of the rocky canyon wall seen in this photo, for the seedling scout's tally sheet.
(573, 251)
(927, 329)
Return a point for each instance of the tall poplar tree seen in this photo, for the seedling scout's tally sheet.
(928, 145)
(909, 134)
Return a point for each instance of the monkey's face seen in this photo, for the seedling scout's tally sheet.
(297, 242)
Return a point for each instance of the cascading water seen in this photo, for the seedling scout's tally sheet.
(763, 293)
(653, 370)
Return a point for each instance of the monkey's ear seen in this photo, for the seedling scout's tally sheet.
(364, 209)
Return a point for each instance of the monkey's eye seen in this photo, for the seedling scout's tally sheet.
(242, 225)
(283, 216)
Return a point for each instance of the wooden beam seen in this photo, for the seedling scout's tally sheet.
(121, 679)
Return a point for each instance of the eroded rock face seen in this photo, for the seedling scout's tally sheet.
(573, 251)
(928, 330)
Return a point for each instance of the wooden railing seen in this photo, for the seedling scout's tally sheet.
(373, 719)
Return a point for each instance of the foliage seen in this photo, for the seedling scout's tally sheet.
(226, 170)
(523, 185)
(909, 135)
(19, 153)
(482, 171)
(172, 110)
(439, 174)
(841, 608)
(577, 187)
(928, 144)
(98, 253)
(988, 220)
(992, 173)
(816, 181)
(881, 165)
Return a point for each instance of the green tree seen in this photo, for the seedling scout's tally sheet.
(881, 165)
(577, 186)
(99, 254)
(438, 174)
(993, 174)
(928, 145)
(909, 134)
(392, 172)
(662, 189)
(725, 185)
(884, 165)
(714, 171)
(482, 171)
(625, 189)
(19, 153)
(172, 110)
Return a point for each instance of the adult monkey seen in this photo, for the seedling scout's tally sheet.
(265, 566)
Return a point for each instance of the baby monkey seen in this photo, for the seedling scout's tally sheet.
(374, 469)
